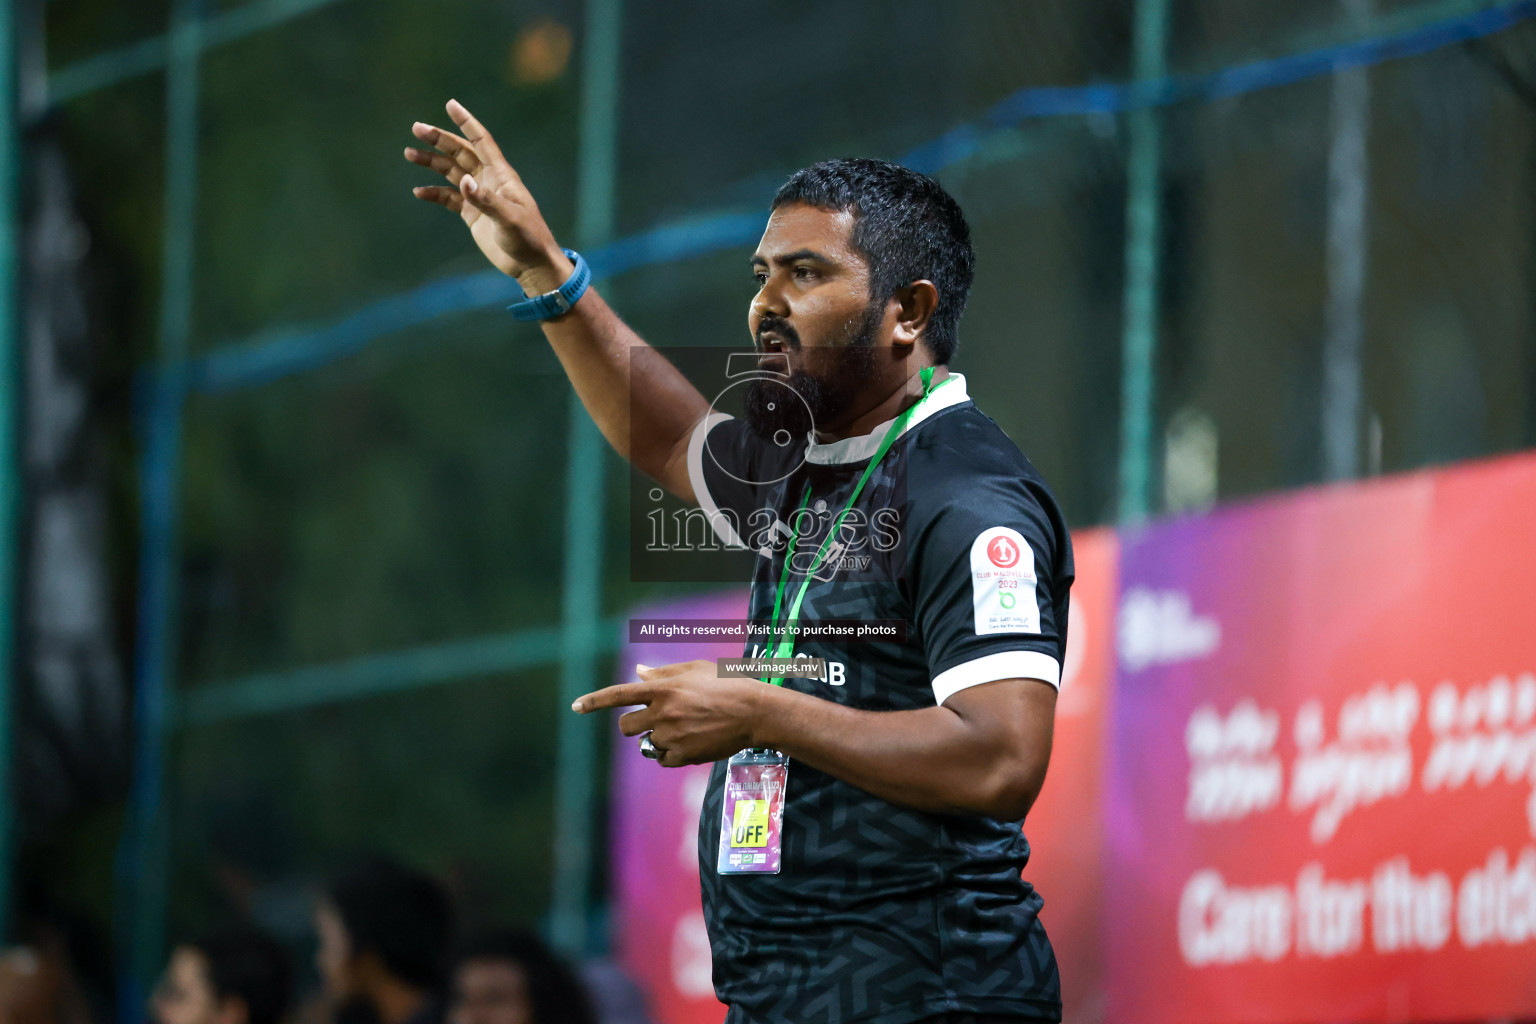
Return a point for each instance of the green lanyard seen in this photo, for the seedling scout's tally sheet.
(786, 645)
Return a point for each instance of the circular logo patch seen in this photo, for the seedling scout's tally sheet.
(1003, 552)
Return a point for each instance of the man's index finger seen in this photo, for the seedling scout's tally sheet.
(621, 696)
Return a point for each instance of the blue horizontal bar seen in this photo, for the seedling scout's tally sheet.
(296, 350)
(697, 236)
(149, 55)
(274, 692)
(1067, 101)
(92, 73)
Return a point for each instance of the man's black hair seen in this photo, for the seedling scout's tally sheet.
(556, 994)
(246, 965)
(401, 916)
(905, 226)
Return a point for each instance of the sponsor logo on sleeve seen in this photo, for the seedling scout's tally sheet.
(1003, 583)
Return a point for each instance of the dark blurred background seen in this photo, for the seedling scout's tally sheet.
(309, 543)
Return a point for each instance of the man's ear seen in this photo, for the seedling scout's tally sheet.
(915, 304)
(233, 1010)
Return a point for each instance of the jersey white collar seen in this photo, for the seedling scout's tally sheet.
(862, 447)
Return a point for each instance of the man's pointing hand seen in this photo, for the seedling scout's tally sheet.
(691, 714)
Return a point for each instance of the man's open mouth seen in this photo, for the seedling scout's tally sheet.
(773, 352)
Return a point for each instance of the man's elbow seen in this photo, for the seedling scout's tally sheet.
(1008, 744)
(1011, 790)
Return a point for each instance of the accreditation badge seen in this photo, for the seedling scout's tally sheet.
(752, 824)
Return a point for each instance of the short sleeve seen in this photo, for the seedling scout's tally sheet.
(732, 472)
(989, 589)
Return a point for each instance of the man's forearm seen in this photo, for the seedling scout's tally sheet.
(642, 404)
(987, 757)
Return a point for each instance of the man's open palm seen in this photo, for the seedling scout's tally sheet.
(485, 191)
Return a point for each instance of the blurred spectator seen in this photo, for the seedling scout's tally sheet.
(383, 941)
(33, 989)
(53, 974)
(238, 976)
(512, 977)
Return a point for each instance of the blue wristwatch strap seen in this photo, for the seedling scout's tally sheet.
(559, 301)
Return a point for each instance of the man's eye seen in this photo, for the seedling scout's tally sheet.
(804, 273)
(760, 276)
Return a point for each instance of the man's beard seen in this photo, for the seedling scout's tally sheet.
(781, 410)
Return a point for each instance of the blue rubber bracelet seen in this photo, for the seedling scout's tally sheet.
(559, 301)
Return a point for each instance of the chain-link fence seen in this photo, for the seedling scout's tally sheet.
(1223, 249)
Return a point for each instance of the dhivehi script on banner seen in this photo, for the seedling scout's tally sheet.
(1321, 796)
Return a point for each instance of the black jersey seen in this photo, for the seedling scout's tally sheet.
(882, 913)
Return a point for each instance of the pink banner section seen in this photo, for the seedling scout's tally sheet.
(658, 919)
(1322, 793)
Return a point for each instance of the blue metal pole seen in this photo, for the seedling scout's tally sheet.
(575, 779)
(1143, 243)
(10, 469)
(1348, 241)
(144, 859)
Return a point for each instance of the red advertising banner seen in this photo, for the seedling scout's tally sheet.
(1066, 826)
(1322, 758)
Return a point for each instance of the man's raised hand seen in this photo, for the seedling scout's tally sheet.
(486, 192)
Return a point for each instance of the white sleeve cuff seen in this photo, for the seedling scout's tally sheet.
(992, 667)
(718, 522)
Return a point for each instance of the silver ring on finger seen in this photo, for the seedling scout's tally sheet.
(649, 749)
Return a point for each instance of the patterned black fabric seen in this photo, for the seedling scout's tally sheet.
(882, 913)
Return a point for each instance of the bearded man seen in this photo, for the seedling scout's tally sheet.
(860, 845)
